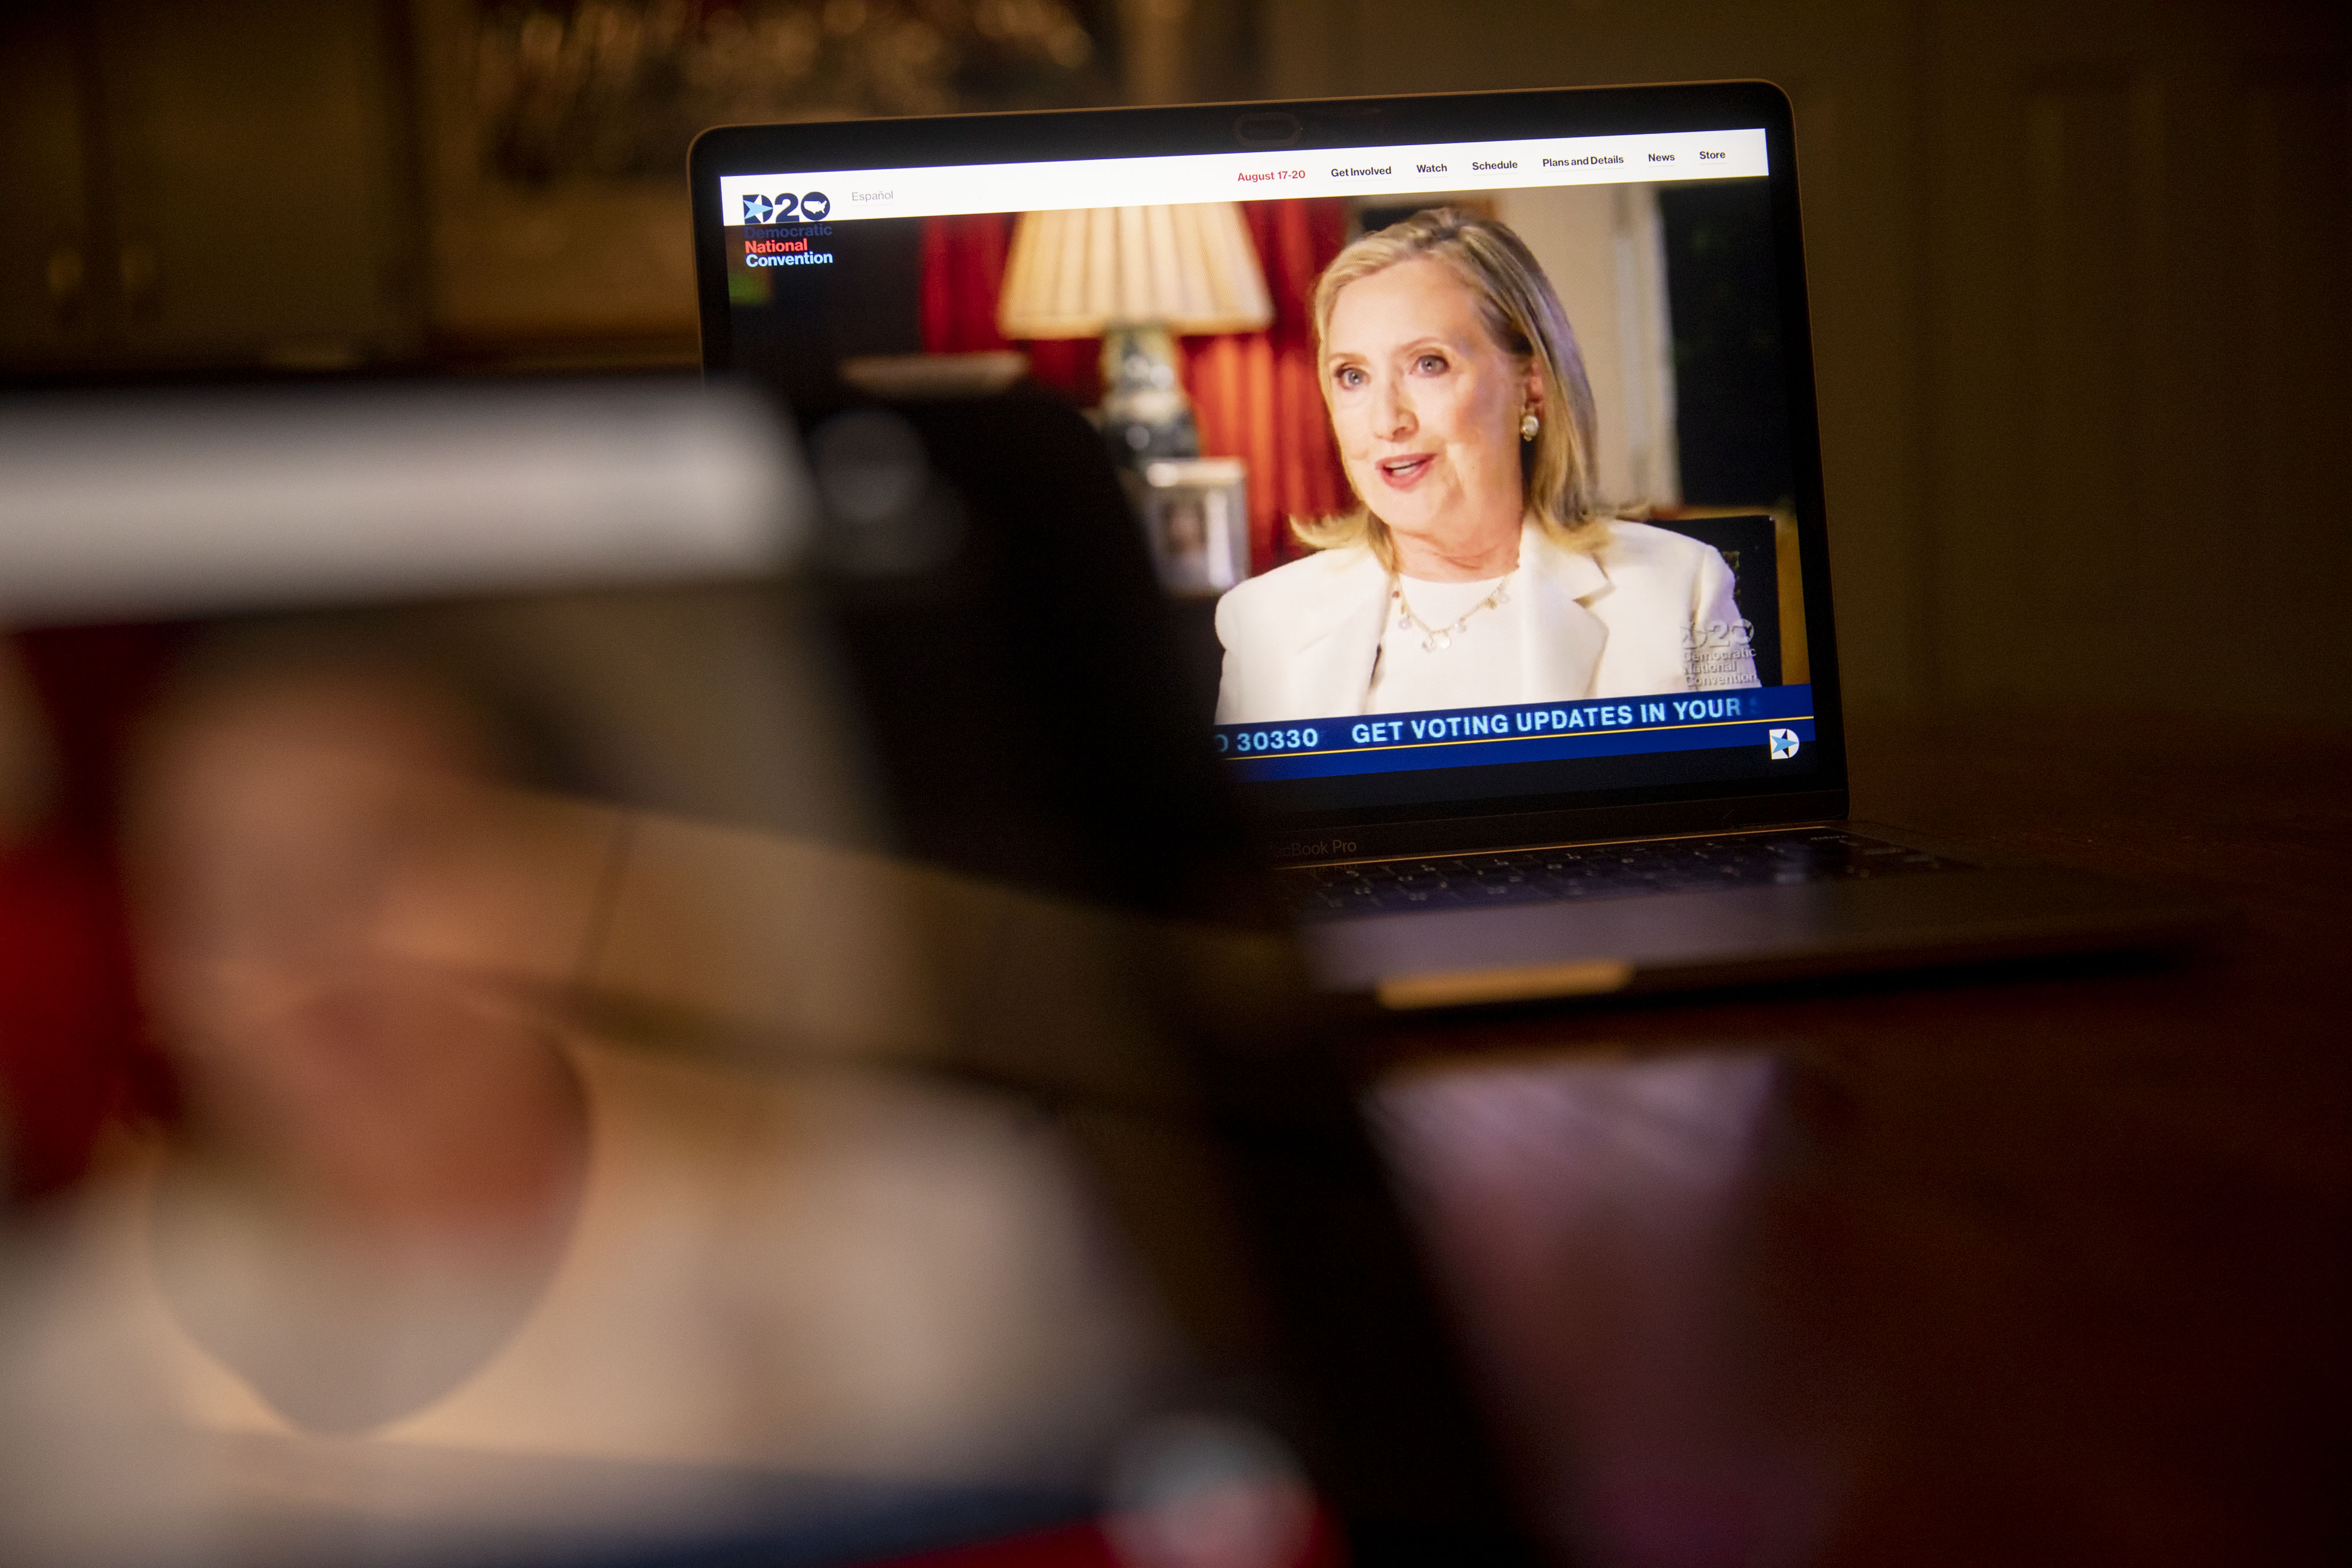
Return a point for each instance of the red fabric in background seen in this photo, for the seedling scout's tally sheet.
(1073, 1547)
(66, 1025)
(71, 1050)
(1088, 1546)
(1255, 394)
(964, 276)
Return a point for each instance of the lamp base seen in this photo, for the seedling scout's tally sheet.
(1145, 416)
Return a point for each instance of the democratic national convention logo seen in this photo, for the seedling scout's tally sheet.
(810, 206)
(1783, 743)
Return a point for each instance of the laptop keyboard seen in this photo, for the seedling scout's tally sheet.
(1591, 871)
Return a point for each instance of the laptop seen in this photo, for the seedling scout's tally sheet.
(1495, 574)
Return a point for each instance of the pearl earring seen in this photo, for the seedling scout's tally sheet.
(1529, 425)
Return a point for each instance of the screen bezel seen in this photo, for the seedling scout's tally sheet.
(1820, 794)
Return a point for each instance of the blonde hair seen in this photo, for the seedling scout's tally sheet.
(1522, 313)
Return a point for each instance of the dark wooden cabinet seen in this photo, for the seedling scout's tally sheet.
(45, 240)
(207, 181)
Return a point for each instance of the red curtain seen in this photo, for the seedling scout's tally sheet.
(963, 274)
(1255, 393)
(71, 1049)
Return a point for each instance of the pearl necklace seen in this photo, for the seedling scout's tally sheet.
(1437, 639)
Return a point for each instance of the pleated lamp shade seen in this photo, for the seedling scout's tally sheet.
(1189, 269)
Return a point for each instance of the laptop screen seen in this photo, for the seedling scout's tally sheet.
(1469, 464)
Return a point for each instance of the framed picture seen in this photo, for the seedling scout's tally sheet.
(1195, 513)
(553, 133)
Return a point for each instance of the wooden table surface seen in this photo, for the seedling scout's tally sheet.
(2032, 1265)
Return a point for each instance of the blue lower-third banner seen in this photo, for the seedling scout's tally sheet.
(1776, 720)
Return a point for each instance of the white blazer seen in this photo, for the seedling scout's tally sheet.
(1624, 620)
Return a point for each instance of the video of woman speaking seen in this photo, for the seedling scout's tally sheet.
(1437, 480)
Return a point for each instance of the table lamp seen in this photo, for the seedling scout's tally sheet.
(1135, 277)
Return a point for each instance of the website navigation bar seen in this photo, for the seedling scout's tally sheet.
(840, 195)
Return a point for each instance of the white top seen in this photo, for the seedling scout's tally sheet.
(1630, 617)
(814, 1274)
(1480, 663)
